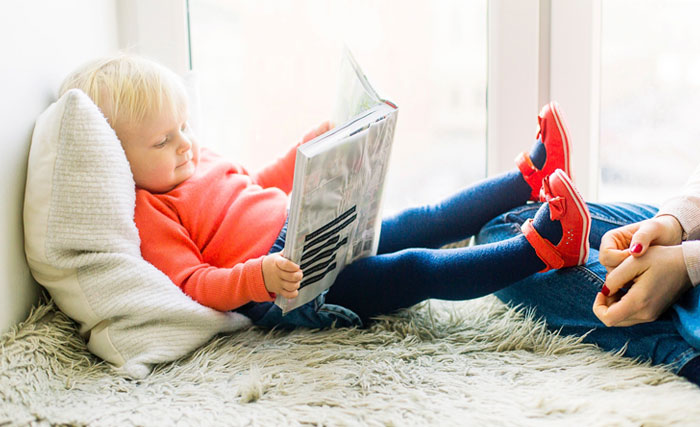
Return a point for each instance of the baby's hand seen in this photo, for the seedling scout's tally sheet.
(281, 276)
(321, 129)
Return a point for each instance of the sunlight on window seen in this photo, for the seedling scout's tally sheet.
(650, 98)
(267, 75)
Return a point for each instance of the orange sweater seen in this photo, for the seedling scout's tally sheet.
(210, 233)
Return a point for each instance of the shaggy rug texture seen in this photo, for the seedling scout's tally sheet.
(470, 363)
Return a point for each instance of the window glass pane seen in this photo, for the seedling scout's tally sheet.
(267, 75)
(650, 98)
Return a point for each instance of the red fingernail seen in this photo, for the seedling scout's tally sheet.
(605, 291)
(637, 248)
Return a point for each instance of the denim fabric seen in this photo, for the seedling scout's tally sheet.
(686, 316)
(564, 298)
(314, 314)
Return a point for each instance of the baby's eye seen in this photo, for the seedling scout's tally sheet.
(162, 143)
(184, 126)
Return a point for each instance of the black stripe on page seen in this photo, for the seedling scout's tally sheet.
(323, 228)
(318, 267)
(330, 233)
(324, 254)
(309, 253)
(316, 278)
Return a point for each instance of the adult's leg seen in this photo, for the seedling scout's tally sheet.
(607, 216)
(564, 298)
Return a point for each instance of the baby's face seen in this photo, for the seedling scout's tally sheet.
(162, 151)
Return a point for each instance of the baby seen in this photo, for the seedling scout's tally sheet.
(217, 229)
(146, 105)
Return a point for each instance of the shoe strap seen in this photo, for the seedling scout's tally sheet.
(524, 163)
(530, 173)
(545, 250)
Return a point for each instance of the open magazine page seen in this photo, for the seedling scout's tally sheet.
(355, 94)
(335, 210)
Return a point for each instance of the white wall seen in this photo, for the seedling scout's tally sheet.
(41, 40)
(541, 50)
(514, 85)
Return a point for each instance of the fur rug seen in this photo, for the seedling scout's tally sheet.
(471, 363)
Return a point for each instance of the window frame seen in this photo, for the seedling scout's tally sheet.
(541, 50)
(537, 50)
(158, 29)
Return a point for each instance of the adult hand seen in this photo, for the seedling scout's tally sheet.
(281, 276)
(657, 278)
(635, 239)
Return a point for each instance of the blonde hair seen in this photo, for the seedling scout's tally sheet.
(128, 88)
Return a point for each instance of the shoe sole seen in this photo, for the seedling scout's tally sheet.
(563, 132)
(583, 211)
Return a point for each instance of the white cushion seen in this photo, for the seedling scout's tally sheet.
(83, 246)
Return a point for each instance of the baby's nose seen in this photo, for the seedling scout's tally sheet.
(185, 145)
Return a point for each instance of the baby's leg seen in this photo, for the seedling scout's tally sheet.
(455, 218)
(557, 237)
(385, 283)
(463, 214)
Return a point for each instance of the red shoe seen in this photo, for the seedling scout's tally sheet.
(567, 206)
(555, 136)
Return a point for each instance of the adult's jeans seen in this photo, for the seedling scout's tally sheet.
(564, 298)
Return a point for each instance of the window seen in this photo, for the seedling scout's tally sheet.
(650, 98)
(267, 75)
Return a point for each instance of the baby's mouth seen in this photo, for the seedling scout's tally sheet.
(189, 157)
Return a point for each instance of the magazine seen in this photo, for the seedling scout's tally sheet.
(335, 208)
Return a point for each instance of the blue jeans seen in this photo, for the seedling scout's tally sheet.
(315, 314)
(564, 298)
